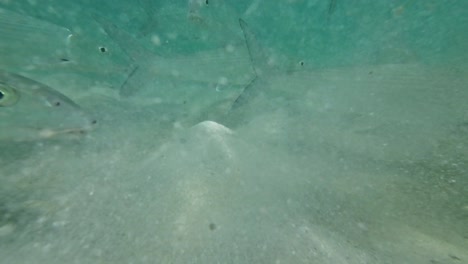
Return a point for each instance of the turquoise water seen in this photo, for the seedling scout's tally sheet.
(255, 132)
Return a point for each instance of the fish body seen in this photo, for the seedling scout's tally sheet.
(52, 42)
(389, 111)
(225, 66)
(38, 46)
(30, 110)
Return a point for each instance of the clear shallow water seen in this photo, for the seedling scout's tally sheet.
(357, 156)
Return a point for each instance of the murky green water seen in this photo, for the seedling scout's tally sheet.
(195, 131)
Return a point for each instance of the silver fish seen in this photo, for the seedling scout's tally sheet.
(51, 42)
(225, 66)
(36, 45)
(30, 110)
(389, 111)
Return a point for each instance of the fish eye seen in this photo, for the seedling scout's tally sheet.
(8, 95)
(54, 102)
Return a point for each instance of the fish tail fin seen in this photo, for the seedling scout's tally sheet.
(258, 61)
(130, 85)
(151, 22)
(257, 55)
